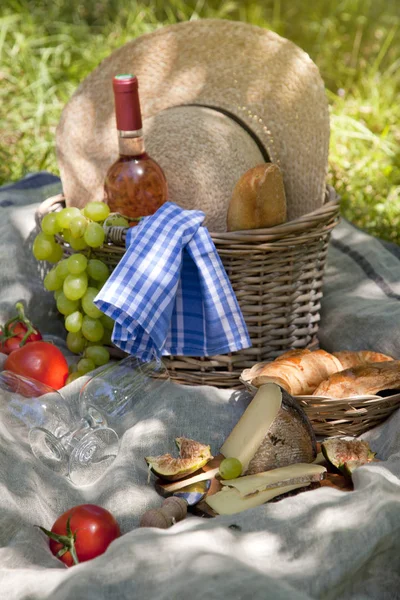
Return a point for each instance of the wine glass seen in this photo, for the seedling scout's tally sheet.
(109, 397)
(62, 440)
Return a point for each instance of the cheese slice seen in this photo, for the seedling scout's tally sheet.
(247, 435)
(277, 478)
(229, 501)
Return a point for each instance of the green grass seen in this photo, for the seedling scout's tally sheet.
(47, 48)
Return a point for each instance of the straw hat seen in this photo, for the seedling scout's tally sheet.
(218, 97)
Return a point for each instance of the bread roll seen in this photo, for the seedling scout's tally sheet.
(258, 199)
(362, 380)
(299, 372)
(354, 359)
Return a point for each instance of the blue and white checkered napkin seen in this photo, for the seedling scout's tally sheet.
(170, 293)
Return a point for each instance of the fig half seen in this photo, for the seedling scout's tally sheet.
(193, 456)
(347, 455)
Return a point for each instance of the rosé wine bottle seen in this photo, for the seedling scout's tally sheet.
(135, 184)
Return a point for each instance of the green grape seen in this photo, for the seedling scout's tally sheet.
(97, 211)
(76, 343)
(92, 329)
(57, 294)
(97, 270)
(77, 263)
(56, 255)
(65, 216)
(108, 322)
(78, 226)
(43, 246)
(73, 322)
(67, 235)
(62, 269)
(72, 376)
(52, 281)
(94, 235)
(99, 355)
(72, 368)
(85, 365)
(116, 220)
(77, 244)
(50, 224)
(75, 286)
(66, 306)
(230, 468)
(87, 303)
(106, 339)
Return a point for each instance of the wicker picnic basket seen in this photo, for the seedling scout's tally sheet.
(347, 416)
(277, 277)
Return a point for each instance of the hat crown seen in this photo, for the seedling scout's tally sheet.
(265, 81)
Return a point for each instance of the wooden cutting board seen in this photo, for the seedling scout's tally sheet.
(333, 479)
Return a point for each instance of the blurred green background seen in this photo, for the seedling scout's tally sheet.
(48, 47)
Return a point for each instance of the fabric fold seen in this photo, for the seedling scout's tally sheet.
(170, 293)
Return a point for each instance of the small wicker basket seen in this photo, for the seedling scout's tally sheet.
(277, 276)
(347, 416)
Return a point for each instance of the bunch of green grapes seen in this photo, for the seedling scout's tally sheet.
(76, 280)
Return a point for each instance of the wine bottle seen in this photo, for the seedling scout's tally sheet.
(135, 184)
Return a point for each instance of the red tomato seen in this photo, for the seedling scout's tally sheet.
(41, 361)
(18, 332)
(20, 329)
(14, 331)
(87, 530)
(9, 345)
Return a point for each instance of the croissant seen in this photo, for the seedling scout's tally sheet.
(299, 372)
(354, 359)
(359, 381)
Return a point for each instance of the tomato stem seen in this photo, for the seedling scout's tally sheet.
(8, 330)
(67, 541)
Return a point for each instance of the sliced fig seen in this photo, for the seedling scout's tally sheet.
(347, 455)
(350, 466)
(193, 456)
(190, 448)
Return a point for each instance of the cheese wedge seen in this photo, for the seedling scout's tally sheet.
(247, 435)
(277, 478)
(229, 501)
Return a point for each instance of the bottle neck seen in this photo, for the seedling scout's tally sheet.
(131, 143)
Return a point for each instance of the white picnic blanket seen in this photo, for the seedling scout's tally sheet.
(322, 544)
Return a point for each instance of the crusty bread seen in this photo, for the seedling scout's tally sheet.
(299, 372)
(350, 359)
(303, 372)
(362, 380)
(258, 199)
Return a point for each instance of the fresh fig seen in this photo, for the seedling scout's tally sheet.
(350, 466)
(347, 455)
(193, 456)
(190, 448)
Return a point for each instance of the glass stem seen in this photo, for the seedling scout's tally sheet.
(72, 438)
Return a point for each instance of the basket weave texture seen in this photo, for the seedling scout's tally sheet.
(277, 277)
(348, 416)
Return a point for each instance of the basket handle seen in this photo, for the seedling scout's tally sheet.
(52, 204)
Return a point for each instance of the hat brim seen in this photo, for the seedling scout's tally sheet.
(265, 81)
